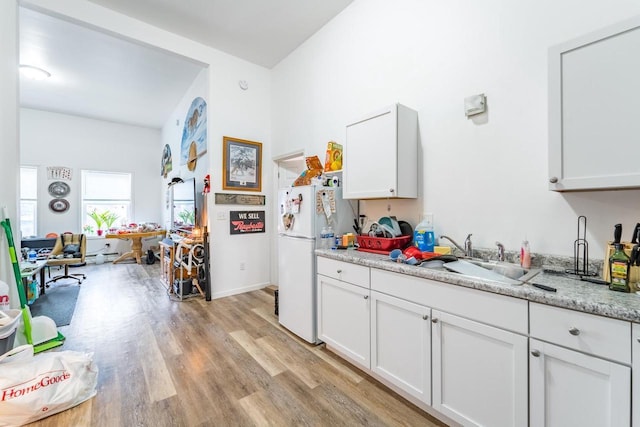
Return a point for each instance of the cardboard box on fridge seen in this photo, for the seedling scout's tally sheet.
(333, 159)
(314, 169)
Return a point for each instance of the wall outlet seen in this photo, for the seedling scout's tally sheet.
(242, 266)
(221, 215)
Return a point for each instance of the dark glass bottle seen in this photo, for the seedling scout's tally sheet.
(619, 270)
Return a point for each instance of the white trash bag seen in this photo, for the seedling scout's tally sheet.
(34, 387)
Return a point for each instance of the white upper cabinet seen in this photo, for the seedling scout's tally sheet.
(381, 155)
(594, 100)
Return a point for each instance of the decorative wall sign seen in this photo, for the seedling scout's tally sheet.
(166, 164)
(239, 199)
(59, 189)
(195, 130)
(241, 164)
(246, 222)
(59, 205)
(59, 172)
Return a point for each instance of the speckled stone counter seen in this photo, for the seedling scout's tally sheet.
(571, 292)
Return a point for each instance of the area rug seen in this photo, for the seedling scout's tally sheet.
(58, 303)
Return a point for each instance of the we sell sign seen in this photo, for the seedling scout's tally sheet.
(245, 222)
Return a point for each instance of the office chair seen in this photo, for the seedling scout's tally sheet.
(69, 249)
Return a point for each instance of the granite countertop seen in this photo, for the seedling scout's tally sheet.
(572, 293)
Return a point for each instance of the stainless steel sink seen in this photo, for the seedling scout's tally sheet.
(503, 272)
(511, 271)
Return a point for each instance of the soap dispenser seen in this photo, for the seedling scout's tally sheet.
(423, 235)
(525, 255)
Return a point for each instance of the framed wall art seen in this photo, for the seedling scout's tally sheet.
(242, 164)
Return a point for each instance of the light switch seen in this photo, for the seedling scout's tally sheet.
(475, 104)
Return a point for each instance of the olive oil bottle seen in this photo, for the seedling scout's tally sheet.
(619, 270)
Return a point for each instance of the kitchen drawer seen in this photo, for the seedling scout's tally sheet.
(344, 271)
(600, 336)
(497, 310)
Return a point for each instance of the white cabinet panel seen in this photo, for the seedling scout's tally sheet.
(401, 344)
(486, 307)
(343, 319)
(479, 372)
(344, 271)
(600, 336)
(568, 388)
(381, 155)
(593, 105)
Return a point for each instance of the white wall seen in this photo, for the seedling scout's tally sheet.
(486, 176)
(53, 139)
(9, 147)
(232, 112)
(172, 135)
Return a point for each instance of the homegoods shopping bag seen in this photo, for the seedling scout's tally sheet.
(34, 387)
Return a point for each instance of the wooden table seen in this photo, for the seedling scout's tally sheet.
(136, 243)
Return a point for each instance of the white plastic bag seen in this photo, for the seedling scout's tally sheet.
(34, 387)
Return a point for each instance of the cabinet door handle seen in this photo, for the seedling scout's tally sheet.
(434, 320)
(574, 331)
(425, 317)
(553, 179)
(366, 297)
(535, 353)
(338, 271)
(391, 190)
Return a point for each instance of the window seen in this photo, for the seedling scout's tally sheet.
(102, 192)
(28, 201)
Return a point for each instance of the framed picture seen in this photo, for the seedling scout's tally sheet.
(242, 164)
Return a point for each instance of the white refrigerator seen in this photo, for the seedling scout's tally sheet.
(303, 212)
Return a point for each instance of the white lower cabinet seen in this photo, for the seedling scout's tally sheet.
(401, 344)
(343, 318)
(569, 388)
(479, 358)
(479, 372)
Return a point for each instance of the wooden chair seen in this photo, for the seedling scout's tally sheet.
(69, 249)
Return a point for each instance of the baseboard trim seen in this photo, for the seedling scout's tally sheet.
(237, 291)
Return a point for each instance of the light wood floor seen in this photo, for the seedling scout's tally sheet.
(221, 363)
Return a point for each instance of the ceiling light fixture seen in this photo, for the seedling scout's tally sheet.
(34, 73)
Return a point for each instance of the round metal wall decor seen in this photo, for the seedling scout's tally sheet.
(59, 189)
(59, 205)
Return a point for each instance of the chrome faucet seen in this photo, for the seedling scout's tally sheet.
(500, 251)
(467, 250)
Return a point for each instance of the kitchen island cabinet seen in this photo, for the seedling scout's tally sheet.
(380, 155)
